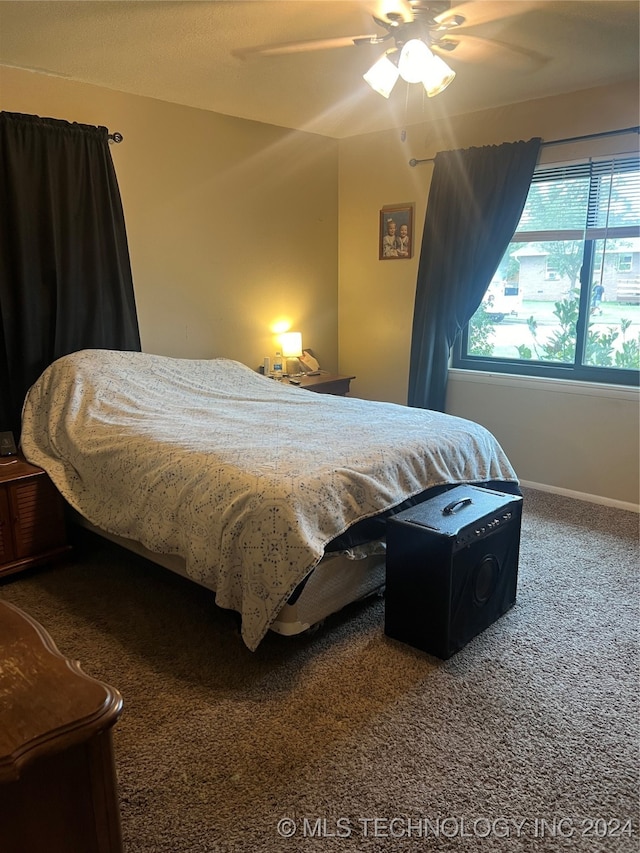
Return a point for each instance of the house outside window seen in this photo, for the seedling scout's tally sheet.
(565, 300)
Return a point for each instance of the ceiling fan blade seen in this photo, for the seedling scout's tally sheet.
(304, 46)
(468, 48)
(477, 12)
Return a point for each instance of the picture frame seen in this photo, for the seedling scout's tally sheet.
(395, 241)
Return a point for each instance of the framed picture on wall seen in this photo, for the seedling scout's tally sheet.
(396, 232)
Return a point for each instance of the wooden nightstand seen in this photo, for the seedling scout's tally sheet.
(325, 383)
(32, 528)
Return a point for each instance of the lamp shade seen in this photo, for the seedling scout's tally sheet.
(437, 77)
(382, 76)
(415, 56)
(291, 344)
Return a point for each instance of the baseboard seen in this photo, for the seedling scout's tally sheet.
(581, 496)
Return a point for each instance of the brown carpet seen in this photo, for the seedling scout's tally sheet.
(526, 740)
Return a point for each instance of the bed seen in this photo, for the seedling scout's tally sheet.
(269, 495)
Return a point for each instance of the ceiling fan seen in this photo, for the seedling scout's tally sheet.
(417, 35)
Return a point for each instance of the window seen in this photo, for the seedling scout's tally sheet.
(625, 263)
(565, 300)
(553, 273)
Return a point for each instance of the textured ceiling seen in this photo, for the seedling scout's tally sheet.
(186, 53)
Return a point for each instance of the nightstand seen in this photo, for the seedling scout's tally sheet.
(32, 527)
(325, 383)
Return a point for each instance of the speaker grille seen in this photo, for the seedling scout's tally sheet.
(485, 579)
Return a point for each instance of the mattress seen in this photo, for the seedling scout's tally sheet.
(339, 579)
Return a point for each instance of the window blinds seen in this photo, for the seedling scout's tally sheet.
(591, 200)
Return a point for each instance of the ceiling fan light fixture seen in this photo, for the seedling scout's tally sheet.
(382, 76)
(415, 57)
(437, 76)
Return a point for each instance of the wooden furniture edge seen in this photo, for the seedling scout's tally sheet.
(68, 734)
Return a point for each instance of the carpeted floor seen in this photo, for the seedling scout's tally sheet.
(346, 740)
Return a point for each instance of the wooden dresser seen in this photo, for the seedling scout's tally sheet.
(32, 528)
(57, 777)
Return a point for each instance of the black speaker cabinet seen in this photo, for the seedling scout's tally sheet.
(452, 567)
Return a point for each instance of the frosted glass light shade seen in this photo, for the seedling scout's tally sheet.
(415, 56)
(291, 344)
(382, 76)
(437, 77)
(416, 64)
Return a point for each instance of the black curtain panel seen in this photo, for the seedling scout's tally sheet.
(65, 274)
(475, 202)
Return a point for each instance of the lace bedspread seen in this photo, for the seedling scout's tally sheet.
(245, 478)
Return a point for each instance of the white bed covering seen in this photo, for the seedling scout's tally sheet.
(244, 478)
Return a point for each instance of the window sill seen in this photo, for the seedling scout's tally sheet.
(543, 383)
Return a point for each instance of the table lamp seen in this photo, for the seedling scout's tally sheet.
(291, 349)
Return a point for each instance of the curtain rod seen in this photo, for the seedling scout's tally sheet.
(622, 130)
(115, 137)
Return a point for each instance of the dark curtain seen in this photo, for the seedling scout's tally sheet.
(65, 275)
(475, 202)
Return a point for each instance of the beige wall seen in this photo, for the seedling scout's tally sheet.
(232, 224)
(568, 439)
